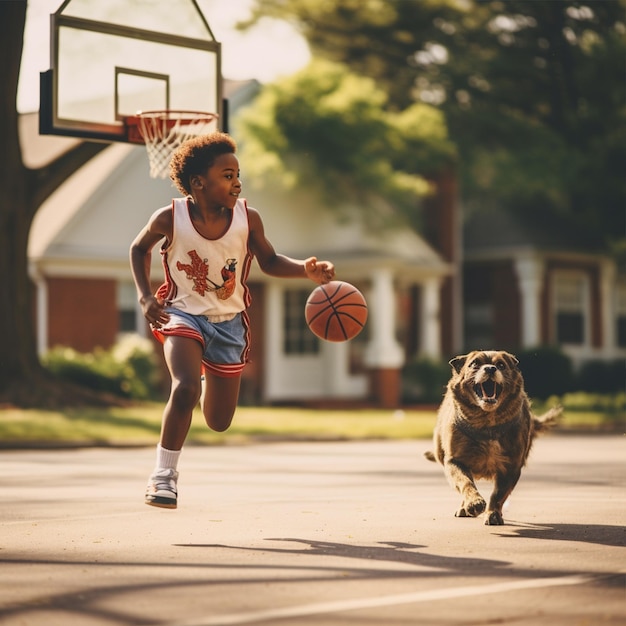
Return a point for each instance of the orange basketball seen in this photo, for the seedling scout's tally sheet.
(336, 311)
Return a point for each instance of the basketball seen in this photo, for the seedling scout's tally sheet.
(336, 311)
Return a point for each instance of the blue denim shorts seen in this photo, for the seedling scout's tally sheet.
(226, 345)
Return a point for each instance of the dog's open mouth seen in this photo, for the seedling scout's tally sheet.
(488, 391)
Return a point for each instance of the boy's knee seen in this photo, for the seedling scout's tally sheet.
(218, 422)
(186, 392)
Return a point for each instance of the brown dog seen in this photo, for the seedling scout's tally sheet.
(485, 429)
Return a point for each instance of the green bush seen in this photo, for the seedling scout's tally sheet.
(128, 370)
(602, 376)
(610, 404)
(547, 372)
(424, 381)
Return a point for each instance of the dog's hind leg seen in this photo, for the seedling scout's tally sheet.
(462, 480)
(504, 485)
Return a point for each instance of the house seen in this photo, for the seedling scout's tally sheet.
(492, 283)
(78, 256)
(526, 287)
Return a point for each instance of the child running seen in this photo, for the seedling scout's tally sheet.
(209, 238)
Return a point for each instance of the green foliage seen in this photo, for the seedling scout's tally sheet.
(128, 370)
(547, 371)
(325, 123)
(612, 404)
(424, 381)
(532, 94)
(602, 376)
(549, 376)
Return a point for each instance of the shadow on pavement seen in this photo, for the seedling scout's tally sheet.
(385, 551)
(587, 533)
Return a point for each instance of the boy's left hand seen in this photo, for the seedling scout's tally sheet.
(321, 272)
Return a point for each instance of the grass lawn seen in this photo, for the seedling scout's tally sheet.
(140, 425)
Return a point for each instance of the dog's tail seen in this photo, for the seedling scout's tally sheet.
(430, 456)
(545, 422)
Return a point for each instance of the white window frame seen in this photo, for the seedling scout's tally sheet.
(479, 323)
(620, 310)
(295, 329)
(559, 276)
(127, 301)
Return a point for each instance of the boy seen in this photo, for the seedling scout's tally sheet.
(199, 314)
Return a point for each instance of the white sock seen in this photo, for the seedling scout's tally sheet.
(167, 459)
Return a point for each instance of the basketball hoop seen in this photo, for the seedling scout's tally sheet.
(164, 131)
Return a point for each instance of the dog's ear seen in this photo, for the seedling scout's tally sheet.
(512, 360)
(458, 362)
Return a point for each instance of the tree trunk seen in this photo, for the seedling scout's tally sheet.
(23, 381)
(19, 356)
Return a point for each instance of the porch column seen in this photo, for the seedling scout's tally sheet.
(431, 323)
(384, 355)
(273, 339)
(530, 276)
(41, 287)
(608, 307)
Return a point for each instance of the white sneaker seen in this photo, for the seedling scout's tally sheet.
(161, 490)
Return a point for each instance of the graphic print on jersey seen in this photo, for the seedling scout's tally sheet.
(198, 272)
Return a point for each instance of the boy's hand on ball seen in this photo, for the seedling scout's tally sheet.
(321, 272)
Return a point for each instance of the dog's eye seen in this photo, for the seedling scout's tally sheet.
(501, 365)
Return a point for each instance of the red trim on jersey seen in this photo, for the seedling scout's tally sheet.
(168, 290)
(225, 370)
(247, 262)
(177, 331)
(245, 320)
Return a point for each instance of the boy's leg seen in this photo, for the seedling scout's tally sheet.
(219, 400)
(183, 358)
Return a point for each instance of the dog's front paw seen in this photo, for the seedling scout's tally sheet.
(494, 518)
(472, 509)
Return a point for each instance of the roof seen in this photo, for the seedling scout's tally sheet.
(91, 219)
(498, 233)
(38, 150)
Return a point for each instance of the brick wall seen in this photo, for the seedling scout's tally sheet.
(82, 313)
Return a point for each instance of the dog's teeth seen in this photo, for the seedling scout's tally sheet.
(488, 390)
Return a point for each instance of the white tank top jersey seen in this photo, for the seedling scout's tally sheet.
(207, 276)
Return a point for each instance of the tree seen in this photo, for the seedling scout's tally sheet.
(532, 92)
(23, 381)
(327, 124)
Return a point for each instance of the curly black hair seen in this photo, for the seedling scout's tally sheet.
(196, 155)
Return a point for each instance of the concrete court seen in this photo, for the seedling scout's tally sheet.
(333, 533)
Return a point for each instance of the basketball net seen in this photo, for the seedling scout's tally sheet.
(164, 131)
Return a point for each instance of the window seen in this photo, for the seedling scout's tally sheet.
(571, 307)
(298, 338)
(127, 308)
(620, 310)
(479, 324)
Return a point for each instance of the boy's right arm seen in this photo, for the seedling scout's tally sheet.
(158, 227)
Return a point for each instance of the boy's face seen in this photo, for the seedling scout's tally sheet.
(220, 184)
